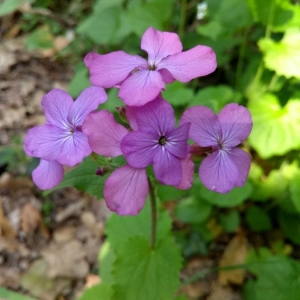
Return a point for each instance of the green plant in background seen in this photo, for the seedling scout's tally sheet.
(257, 43)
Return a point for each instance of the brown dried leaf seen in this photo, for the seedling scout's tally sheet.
(30, 218)
(219, 292)
(234, 254)
(6, 229)
(66, 259)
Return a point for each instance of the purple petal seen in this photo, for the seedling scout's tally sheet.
(167, 76)
(177, 141)
(104, 133)
(156, 117)
(187, 173)
(87, 101)
(74, 149)
(205, 128)
(218, 172)
(185, 66)
(48, 174)
(167, 168)
(159, 44)
(236, 124)
(141, 87)
(125, 190)
(111, 69)
(45, 141)
(56, 105)
(139, 148)
(243, 162)
(131, 116)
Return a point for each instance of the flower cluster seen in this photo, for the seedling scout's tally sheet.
(75, 129)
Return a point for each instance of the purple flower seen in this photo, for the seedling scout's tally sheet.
(157, 142)
(141, 81)
(227, 166)
(126, 189)
(61, 141)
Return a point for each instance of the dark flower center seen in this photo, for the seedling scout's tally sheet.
(162, 140)
(151, 67)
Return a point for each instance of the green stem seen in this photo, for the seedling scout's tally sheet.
(153, 215)
(270, 20)
(273, 82)
(182, 18)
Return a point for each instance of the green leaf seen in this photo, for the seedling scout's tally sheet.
(283, 57)
(295, 190)
(144, 273)
(234, 197)
(177, 94)
(191, 210)
(102, 25)
(290, 225)
(278, 278)
(167, 193)
(120, 229)
(10, 295)
(281, 12)
(275, 128)
(230, 221)
(80, 81)
(216, 97)
(113, 101)
(106, 259)
(96, 292)
(40, 38)
(257, 219)
(84, 179)
(151, 13)
(9, 6)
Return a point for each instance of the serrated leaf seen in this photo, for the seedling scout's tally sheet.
(143, 273)
(120, 229)
(234, 197)
(100, 291)
(257, 219)
(84, 179)
(9, 6)
(275, 128)
(283, 57)
(216, 97)
(277, 278)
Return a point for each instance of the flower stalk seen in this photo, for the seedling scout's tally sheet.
(153, 214)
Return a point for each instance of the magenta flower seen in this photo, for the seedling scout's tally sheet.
(141, 81)
(61, 141)
(126, 189)
(227, 166)
(157, 142)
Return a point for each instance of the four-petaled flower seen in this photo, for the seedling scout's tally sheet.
(141, 81)
(227, 166)
(154, 140)
(61, 140)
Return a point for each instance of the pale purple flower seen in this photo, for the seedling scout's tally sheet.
(141, 81)
(126, 189)
(227, 166)
(61, 141)
(157, 142)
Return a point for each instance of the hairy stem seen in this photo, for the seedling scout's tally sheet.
(153, 214)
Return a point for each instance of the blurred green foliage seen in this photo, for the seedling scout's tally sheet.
(257, 43)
